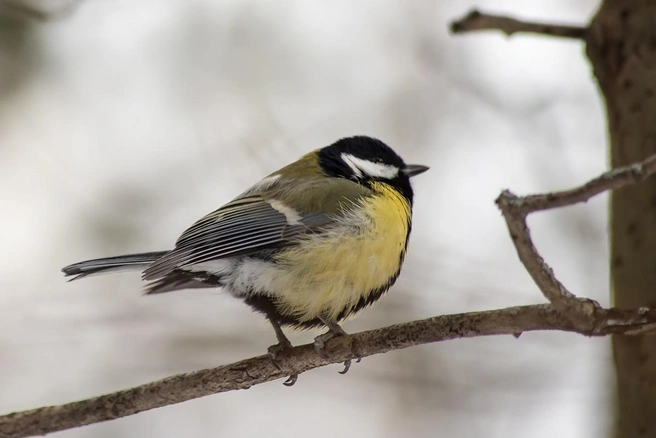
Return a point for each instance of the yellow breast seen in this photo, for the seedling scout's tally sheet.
(331, 272)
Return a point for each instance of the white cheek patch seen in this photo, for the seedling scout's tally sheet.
(350, 161)
(369, 168)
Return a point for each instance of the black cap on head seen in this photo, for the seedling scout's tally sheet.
(364, 160)
(366, 148)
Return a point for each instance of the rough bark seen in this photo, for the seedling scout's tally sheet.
(621, 44)
(257, 370)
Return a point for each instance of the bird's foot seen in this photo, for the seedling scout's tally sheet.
(320, 342)
(273, 352)
(334, 330)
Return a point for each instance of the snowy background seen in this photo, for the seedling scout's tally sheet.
(126, 120)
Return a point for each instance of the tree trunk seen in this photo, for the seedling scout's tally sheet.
(621, 45)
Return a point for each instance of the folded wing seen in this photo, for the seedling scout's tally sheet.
(243, 226)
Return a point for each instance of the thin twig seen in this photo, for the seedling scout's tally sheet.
(515, 211)
(476, 21)
(250, 372)
(611, 180)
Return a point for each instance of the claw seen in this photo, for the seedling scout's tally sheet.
(347, 365)
(291, 380)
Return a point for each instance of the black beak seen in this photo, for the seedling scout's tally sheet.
(411, 170)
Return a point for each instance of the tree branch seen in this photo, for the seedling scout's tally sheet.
(580, 312)
(249, 372)
(566, 313)
(611, 180)
(515, 210)
(476, 21)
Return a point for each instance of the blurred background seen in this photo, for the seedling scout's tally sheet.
(122, 122)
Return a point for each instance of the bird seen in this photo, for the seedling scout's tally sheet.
(307, 246)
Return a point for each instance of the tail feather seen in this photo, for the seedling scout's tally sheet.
(130, 262)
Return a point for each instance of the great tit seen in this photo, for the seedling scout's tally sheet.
(307, 246)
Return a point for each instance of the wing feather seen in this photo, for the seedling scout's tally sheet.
(228, 216)
(243, 226)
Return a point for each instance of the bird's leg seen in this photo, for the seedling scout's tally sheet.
(333, 330)
(283, 344)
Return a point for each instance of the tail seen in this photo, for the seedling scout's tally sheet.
(130, 262)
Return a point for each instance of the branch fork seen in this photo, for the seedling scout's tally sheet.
(585, 314)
